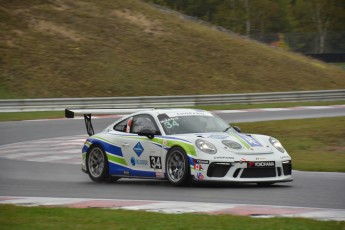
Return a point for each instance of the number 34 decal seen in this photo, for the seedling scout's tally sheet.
(155, 162)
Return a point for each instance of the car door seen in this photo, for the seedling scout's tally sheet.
(142, 154)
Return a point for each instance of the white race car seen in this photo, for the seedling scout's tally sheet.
(181, 145)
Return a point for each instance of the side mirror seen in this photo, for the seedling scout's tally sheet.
(147, 133)
(238, 129)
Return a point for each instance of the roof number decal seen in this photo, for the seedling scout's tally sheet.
(170, 123)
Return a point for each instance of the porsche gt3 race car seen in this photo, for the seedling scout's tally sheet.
(181, 145)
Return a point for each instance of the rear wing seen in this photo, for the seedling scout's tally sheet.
(87, 113)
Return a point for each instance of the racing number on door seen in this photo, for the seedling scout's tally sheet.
(155, 162)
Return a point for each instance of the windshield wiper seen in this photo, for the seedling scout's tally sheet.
(227, 129)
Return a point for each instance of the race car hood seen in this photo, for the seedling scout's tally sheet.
(251, 143)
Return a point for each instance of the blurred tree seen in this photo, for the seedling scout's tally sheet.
(268, 20)
(319, 15)
(240, 16)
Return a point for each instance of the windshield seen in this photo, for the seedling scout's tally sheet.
(191, 122)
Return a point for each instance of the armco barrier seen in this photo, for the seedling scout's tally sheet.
(58, 104)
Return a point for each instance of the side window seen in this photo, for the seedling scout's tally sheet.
(142, 122)
(121, 126)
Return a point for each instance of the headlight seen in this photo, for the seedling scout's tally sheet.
(277, 144)
(206, 146)
(232, 144)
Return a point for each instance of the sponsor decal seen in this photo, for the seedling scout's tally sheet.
(250, 140)
(198, 167)
(260, 158)
(155, 162)
(169, 119)
(199, 176)
(260, 164)
(160, 175)
(165, 142)
(199, 161)
(197, 164)
(189, 113)
(126, 173)
(138, 149)
(135, 162)
(220, 137)
(224, 158)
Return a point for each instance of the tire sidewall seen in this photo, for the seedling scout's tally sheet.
(185, 180)
(105, 172)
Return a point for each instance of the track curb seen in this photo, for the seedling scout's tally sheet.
(177, 207)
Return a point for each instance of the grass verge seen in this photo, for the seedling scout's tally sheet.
(269, 105)
(314, 144)
(14, 217)
(31, 115)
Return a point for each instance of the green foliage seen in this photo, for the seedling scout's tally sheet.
(321, 16)
(262, 19)
(264, 15)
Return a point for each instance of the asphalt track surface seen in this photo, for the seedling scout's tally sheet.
(24, 178)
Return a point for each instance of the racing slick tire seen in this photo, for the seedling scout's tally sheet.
(97, 164)
(177, 167)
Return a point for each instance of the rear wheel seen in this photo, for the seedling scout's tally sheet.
(177, 167)
(97, 164)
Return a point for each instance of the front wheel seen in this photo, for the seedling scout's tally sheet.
(97, 164)
(177, 167)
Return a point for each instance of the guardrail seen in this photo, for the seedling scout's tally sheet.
(58, 104)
